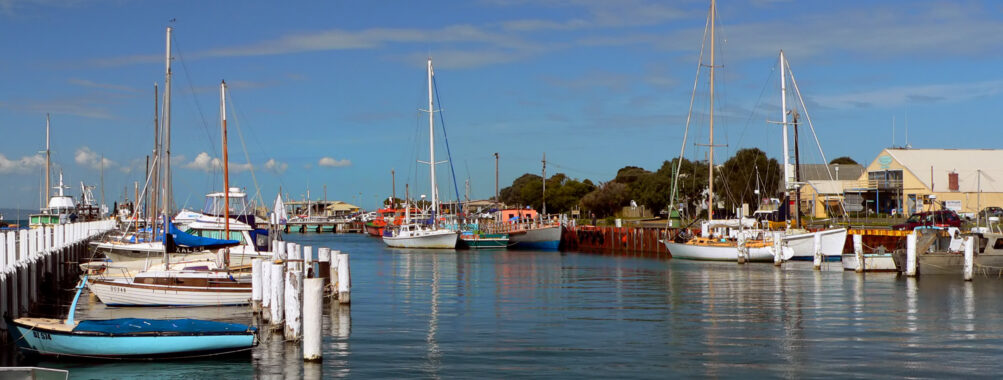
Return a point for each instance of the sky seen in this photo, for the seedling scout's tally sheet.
(326, 95)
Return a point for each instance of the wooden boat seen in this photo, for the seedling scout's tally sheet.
(172, 288)
(128, 338)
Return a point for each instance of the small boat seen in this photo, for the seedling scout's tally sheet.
(542, 237)
(199, 287)
(877, 261)
(478, 240)
(128, 338)
(803, 244)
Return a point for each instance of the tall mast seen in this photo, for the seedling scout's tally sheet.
(710, 165)
(431, 147)
(48, 156)
(393, 190)
(226, 174)
(797, 173)
(496, 177)
(783, 112)
(168, 189)
(151, 171)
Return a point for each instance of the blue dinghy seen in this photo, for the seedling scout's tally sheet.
(129, 338)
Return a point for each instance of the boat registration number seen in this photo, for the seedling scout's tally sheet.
(117, 289)
(42, 335)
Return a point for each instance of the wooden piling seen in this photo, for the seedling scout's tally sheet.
(858, 250)
(778, 254)
(324, 265)
(910, 250)
(969, 257)
(277, 294)
(313, 303)
(817, 246)
(256, 286)
(344, 279)
(266, 290)
(294, 295)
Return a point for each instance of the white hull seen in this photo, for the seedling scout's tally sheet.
(715, 253)
(443, 239)
(873, 262)
(540, 237)
(803, 245)
(124, 293)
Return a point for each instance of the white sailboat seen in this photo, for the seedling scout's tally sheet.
(412, 235)
(802, 242)
(749, 245)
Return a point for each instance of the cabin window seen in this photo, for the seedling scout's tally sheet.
(998, 244)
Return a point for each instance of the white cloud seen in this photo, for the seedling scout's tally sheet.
(204, 162)
(332, 163)
(276, 166)
(21, 165)
(88, 158)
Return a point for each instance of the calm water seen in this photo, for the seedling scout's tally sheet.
(504, 314)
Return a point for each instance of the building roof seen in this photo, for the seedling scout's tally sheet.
(817, 172)
(341, 206)
(972, 165)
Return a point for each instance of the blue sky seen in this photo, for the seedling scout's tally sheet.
(326, 93)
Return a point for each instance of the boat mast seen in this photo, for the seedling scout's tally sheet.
(783, 112)
(167, 127)
(393, 190)
(151, 199)
(226, 174)
(48, 156)
(710, 165)
(496, 178)
(797, 172)
(431, 148)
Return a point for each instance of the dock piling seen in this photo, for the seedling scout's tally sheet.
(969, 257)
(858, 250)
(817, 241)
(277, 294)
(910, 254)
(294, 294)
(778, 254)
(344, 279)
(256, 286)
(324, 265)
(313, 302)
(308, 261)
(266, 290)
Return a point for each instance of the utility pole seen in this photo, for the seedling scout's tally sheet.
(393, 191)
(544, 183)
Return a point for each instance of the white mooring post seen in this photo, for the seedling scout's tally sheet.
(307, 261)
(266, 290)
(256, 285)
(289, 248)
(278, 294)
(910, 254)
(778, 253)
(294, 295)
(280, 253)
(858, 250)
(969, 257)
(324, 266)
(344, 280)
(313, 302)
(334, 272)
(817, 241)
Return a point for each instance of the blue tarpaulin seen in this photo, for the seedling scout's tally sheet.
(140, 325)
(185, 240)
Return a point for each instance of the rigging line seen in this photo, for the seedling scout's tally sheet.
(236, 122)
(813, 134)
(682, 150)
(449, 154)
(191, 88)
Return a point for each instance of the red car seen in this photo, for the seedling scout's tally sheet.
(942, 218)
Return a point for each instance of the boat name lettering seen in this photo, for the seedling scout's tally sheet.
(41, 335)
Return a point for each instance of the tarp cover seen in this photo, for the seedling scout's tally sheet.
(140, 325)
(182, 239)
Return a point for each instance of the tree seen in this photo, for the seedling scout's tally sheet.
(563, 193)
(607, 199)
(845, 160)
(737, 180)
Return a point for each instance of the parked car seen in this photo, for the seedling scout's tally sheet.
(991, 211)
(942, 218)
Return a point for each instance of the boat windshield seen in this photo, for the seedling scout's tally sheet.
(214, 205)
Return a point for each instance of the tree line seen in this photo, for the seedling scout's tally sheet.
(735, 183)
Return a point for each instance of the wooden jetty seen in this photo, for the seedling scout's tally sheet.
(41, 261)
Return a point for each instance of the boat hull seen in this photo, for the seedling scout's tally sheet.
(484, 242)
(873, 262)
(50, 342)
(542, 238)
(440, 240)
(716, 253)
(803, 245)
(122, 292)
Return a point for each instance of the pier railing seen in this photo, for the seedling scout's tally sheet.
(22, 247)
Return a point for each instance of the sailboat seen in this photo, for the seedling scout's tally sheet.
(748, 245)
(414, 235)
(188, 287)
(802, 242)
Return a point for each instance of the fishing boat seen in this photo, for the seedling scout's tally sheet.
(413, 235)
(480, 240)
(545, 237)
(128, 338)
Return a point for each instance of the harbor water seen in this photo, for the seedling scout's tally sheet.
(507, 313)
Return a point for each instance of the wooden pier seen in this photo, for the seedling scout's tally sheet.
(41, 261)
(332, 226)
